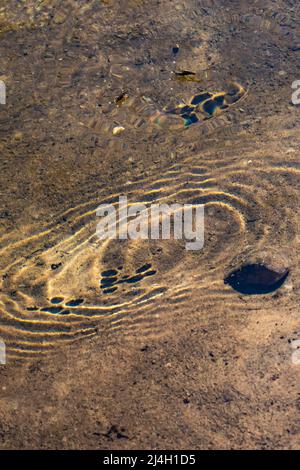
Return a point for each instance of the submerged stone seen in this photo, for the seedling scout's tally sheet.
(74, 303)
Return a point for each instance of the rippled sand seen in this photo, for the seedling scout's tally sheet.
(177, 359)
